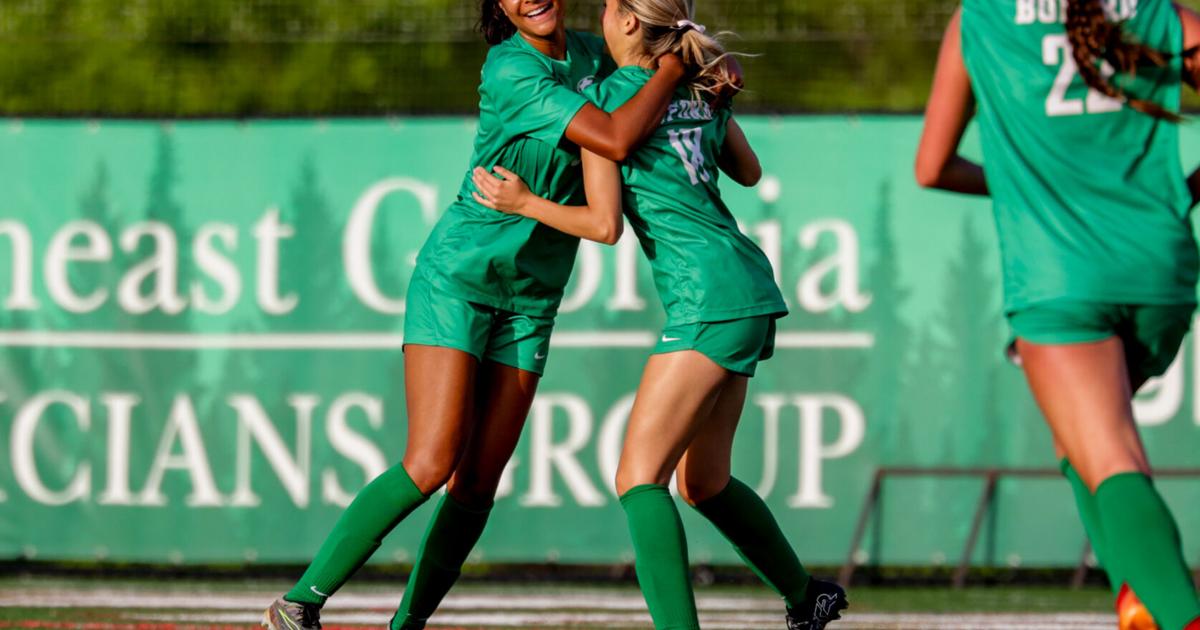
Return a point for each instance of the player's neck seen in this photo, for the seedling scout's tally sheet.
(628, 56)
(554, 46)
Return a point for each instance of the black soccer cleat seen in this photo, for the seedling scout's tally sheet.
(823, 603)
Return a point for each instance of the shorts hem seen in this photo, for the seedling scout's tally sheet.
(441, 344)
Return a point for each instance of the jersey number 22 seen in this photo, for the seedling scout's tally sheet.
(1056, 50)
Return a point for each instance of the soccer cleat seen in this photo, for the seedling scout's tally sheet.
(823, 603)
(1131, 613)
(285, 615)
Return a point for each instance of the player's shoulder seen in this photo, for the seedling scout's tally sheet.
(619, 87)
(510, 61)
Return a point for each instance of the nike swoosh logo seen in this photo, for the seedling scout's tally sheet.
(538, 356)
(314, 589)
(667, 339)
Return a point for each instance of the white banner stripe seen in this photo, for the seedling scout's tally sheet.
(367, 341)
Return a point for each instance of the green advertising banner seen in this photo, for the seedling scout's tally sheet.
(200, 351)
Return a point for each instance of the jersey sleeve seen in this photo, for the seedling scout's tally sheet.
(528, 99)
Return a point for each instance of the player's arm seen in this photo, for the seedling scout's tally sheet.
(1191, 73)
(951, 106)
(737, 158)
(599, 221)
(616, 135)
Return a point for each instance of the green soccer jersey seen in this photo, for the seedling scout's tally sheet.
(1090, 198)
(705, 269)
(526, 102)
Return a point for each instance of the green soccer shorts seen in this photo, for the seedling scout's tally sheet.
(436, 318)
(1152, 333)
(736, 345)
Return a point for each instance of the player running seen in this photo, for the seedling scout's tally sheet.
(721, 300)
(1099, 260)
(481, 305)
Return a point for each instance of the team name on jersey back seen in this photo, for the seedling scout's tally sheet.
(1055, 11)
(688, 110)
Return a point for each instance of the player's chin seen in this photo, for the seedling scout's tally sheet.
(546, 23)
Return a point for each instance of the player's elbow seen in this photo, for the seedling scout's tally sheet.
(928, 175)
(610, 231)
(751, 174)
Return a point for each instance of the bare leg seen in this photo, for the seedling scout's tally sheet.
(504, 395)
(704, 470)
(1085, 392)
(439, 385)
(438, 382)
(677, 391)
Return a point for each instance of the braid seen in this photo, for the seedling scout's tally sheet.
(1094, 38)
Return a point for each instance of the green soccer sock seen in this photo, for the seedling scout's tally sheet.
(747, 523)
(1143, 543)
(452, 533)
(1085, 502)
(377, 509)
(662, 560)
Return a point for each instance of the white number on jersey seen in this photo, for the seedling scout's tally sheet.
(688, 145)
(1056, 50)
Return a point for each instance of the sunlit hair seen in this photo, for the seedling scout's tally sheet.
(1094, 38)
(667, 27)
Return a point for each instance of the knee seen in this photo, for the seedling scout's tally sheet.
(631, 475)
(429, 471)
(471, 488)
(695, 490)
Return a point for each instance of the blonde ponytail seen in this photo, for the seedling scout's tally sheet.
(667, 28)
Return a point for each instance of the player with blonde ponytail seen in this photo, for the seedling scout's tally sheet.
(721, 300)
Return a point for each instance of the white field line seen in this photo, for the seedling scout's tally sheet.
(868, 621)
(115, 598)
(94, 340)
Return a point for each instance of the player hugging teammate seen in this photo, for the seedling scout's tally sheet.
(481, 306)
(1100, 264)
(721, 300)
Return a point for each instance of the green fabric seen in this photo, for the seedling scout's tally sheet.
(1089, 195)
(1144, 547)
(1089, 514)
(1151, 333)
(705, 269)
(377, 509)
(737, 345)
(662, 561)
(436, 318)
(747, 523)
(526, 102)
(451, 536)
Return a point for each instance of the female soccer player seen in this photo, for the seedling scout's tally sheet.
(1099, 261)
(481, 305)
(721, 301)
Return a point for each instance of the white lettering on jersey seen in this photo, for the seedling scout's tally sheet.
(688, 144)
(1055, 11)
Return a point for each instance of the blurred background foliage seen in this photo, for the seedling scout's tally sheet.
(383, 57)
(400, 57)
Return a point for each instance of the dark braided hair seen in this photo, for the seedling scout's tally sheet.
(493, 23)
(1094, 38)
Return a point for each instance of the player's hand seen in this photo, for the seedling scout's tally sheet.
(508, 195)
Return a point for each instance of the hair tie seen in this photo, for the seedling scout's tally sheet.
(683, 25)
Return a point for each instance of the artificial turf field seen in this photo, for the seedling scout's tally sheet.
(170, 605)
